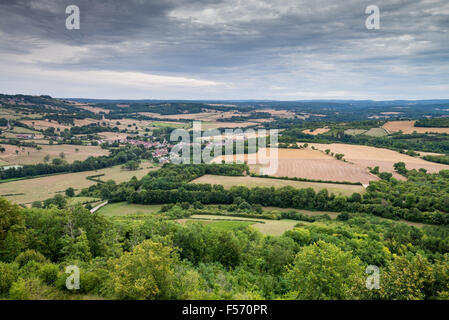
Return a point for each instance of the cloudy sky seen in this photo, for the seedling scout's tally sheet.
(226, 49)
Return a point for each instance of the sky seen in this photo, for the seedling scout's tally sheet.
(226, 49)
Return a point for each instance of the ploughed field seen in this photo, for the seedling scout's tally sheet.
(317, 165)
(365, 156)
(308, 164)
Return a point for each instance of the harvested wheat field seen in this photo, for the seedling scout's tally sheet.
(316, 131)
(308, 164)
(408, 127)
(252, 182)
(29, 190)
(365, 156)
(26, 155)
(112, 136)
(44, 124)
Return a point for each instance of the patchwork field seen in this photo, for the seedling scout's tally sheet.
(29, 190)
(251, 182)
(308, 164)
(28, 155)
(364, 157)
(408, 127)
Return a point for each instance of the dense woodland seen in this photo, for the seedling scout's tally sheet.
(157, 258)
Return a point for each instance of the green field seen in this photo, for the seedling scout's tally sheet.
(265, 226)
(376, 132)
(83, 200)
(170, 124)
(124, 208)
(373, 132)
(354, 132)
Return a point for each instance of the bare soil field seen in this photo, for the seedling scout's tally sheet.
(408, 127)
(28, 155)
(365, 156)
(251, 182)
(316, 131)
(29, 190)
(309, 164)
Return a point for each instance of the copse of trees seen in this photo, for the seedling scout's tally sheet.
(433, 123)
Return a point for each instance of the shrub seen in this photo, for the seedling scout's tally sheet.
(29, 255)
(8, 274)
(48, 273)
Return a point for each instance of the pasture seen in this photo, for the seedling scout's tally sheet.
(268, 227)
(124, 208)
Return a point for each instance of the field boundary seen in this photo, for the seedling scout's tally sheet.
(305, 179)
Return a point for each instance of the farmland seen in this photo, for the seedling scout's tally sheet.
(316, 131)
(269, 227)
(408, 127)
(27, 155)
(28, 190)
(252, 182)
(123, 209)
(310, 164)
(365, 156)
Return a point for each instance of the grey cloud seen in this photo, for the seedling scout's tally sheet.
(297, 45)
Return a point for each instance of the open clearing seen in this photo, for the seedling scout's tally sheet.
(316, 132)
(373, 132)
(251, 182)
(270, 227)
(29, 190)
(308, 164)
(376, 132)
(408, 127)
(364, 157)
(124, 208)
(27, 155)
